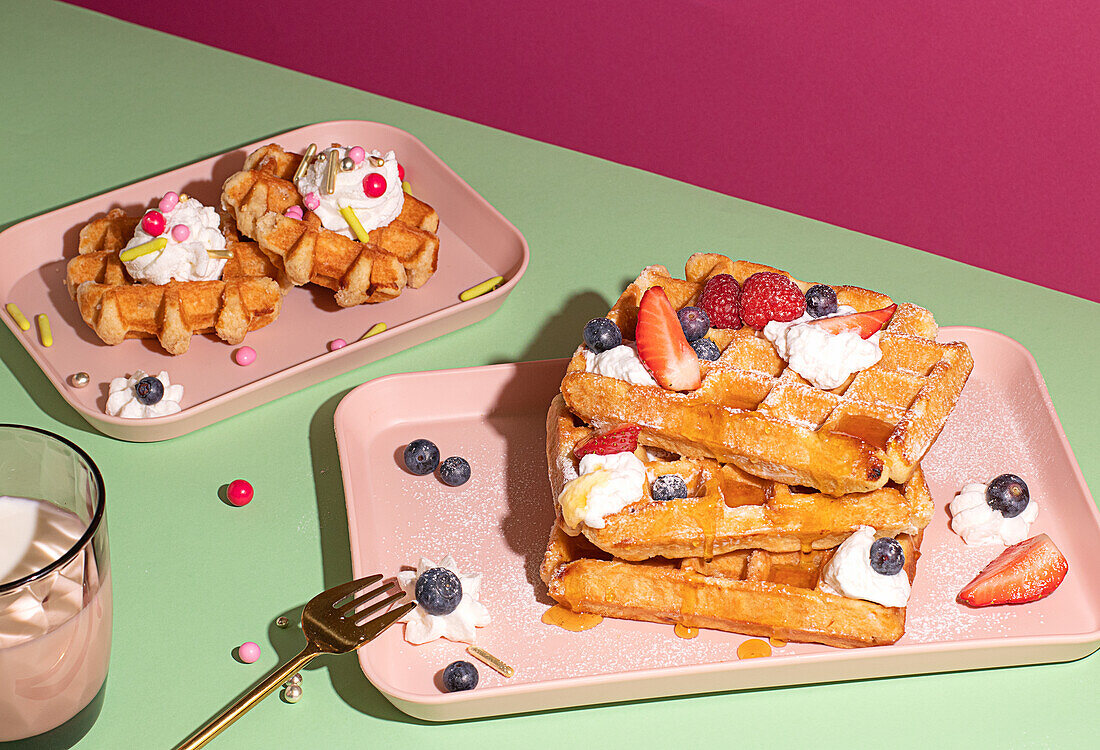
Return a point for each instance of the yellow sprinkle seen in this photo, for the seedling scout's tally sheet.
(353, 221)
(483, 288)
(44, 329)
(18, 316)
(331, 168)
(484, 656)
(375, 329)
(301, 170)
(407, 187)
(145, 248)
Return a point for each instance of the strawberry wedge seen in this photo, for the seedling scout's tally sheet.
(619, 440)
(1025, 572)
(662, 346)
(866, 324)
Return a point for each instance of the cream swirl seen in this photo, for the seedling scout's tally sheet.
(460, 624)
(350, 193)
(849, 573)
(181, 259)
(978, 524)
(122, 400)
(823, 358)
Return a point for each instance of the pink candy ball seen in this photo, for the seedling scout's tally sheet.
(356, 154)
(239, 492)
(169, 201)
(244, 356)
(180, 233)
(312, 201)
(374, 185)
(294, 212)
(249, 652)
(153, 222)
(336, 344)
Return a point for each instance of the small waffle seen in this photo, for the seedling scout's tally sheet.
(753, 412)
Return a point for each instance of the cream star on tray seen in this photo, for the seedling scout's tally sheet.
(459, 625)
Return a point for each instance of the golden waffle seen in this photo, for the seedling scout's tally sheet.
(246, 298)
(754, 592)
(264, 187)
(751, 411)
(727, 509)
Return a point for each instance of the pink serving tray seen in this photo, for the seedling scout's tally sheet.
(476, 243)
(499, 521)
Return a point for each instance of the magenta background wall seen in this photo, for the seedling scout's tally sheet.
(964, 128)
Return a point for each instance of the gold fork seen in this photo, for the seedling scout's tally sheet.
(331, 626)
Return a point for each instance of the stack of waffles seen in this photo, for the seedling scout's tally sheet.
(778, 472)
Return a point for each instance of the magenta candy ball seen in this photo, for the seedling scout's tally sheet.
(244, 356)
(374, 185)
(249, 652)
(153, 222)
(400, 173)
(357, 154)
(180, 233)
(239, 492)
(169, 201)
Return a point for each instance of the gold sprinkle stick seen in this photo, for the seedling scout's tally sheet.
(145, 248)
(376, 161)
(18, 316)
(375, 329)
(353, 221)
(484, 656)
(306, 157)
(483, 288)
(44, 331)
(220, 254)
(332, 166)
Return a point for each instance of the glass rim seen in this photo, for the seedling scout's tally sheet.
(93, 524)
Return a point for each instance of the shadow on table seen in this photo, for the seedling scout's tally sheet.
(66, 735)
(31, 378)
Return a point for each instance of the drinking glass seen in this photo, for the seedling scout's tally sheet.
(55, 581)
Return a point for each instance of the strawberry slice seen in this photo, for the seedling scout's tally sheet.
(619, 440)
(662, 345)
(1025, 572)
(866, 324)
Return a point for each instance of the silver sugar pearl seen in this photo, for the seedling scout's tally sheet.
(321, 157)
(293, 694)
(282, 622)
(346, 164)
(295, 679)
(80, 379)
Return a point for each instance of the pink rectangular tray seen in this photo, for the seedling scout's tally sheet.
(476, 243)
(498, 524)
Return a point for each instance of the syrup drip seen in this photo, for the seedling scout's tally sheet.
(777, 642)
(753, 648)
(684, 631)
(569, 620)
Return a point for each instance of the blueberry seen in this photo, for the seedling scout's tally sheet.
(706, 349)
(438, 591)
(668, 487)
(421, 456)
(820, 300)
(887, 557)
(149, 390)
(459, 675)
(1007, 494)
(600, 334)
(454, 471)
(694, 321)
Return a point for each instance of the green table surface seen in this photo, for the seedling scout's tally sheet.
(89, 103)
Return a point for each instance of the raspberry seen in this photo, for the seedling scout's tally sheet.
(719, 301)
(769, 296)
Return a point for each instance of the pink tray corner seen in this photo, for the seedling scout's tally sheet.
(498, 523)
(476, 243)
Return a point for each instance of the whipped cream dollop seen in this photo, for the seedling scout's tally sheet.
(371, 212)
(122, 400)
(979, 524)
(825, 359)
(620, 362)
(605, 485)
(459, 625)
(849, 573)
(185, 260)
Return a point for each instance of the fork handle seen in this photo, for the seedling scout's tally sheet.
(214, 727)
